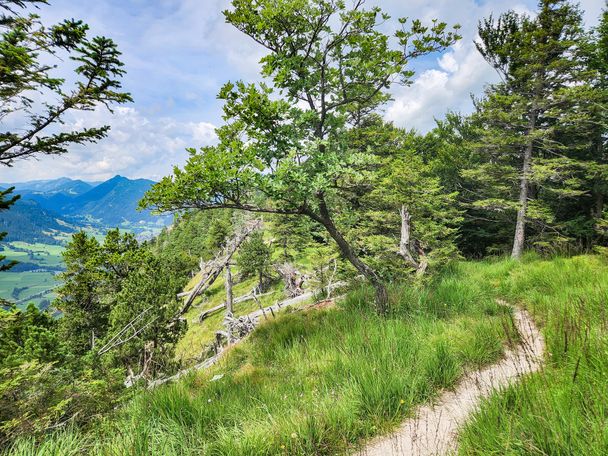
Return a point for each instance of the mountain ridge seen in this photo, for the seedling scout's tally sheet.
(48, 205)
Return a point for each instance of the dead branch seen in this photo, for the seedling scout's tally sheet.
(405, 245)
(212, 269)
(292, 278)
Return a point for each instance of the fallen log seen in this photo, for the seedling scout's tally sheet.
(252, 320)
(212, 270)
(248, 297)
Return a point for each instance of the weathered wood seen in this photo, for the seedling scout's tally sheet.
(212, 269)
(257, 301)
(292, 278)
(228, 285)
(248, 297)
(404, 243)
(207, 313)
(328, 288)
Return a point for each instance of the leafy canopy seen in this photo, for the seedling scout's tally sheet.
(329, 66)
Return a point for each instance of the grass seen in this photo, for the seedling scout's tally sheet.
(312, 382)
(200, 335)
(42, 254)
(29, 283)
(562, 410)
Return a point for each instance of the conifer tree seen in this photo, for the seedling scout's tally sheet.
(254, 258)
(29, 53)
(6, 201)
(543, 78)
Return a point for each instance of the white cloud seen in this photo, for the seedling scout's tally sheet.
(136, 146)
(179, 52)
(462, 72)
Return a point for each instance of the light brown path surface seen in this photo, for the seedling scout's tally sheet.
(432, 430)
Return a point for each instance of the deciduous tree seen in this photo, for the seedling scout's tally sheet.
(283, 149)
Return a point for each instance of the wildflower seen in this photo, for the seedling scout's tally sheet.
(282, 447)
(294, 435)
(402, 402)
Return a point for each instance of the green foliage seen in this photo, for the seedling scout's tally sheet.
(6, 201)
(85, 313)
(194, 235)
(41, 386)
(400, 176)
(151, 286)
(534, 127)
(284, 390)
(254, 258)
(106, 286)
(27, 48)
(335, 60)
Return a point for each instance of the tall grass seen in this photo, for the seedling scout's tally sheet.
(562, 410)
(315, 382)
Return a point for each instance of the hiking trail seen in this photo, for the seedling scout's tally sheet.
(433, 429)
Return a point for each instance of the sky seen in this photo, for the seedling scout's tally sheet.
(178, 53)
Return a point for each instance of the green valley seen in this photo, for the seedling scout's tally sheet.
(376, 235)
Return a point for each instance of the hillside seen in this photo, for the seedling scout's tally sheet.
(107, 204)
(46, 216)
(62, 185)
(387, 237)
(113, 203)
(29, 221)
(320, 381)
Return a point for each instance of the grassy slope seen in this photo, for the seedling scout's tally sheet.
(44, 254)
(32, 282)
(564, 409)
(202, 334)
(313, 382)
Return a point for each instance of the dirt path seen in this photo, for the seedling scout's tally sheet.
(433, 428)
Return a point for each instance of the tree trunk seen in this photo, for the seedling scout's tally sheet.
(350, 254)
(404, 243)
(520, 227)
(229, 296)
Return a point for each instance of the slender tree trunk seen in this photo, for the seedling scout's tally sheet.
(599, 204)
(229, 295)
(404, 243)
(350, 254)
(520, 227)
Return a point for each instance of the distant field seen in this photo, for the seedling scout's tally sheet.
(39, 280)
(41, 254)
(16, 286)
(36, 286)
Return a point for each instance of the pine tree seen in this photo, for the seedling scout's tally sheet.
(254, 258)
(540, 62)
(85, 312)
(29, 53)
(400, 186)
(6, 201)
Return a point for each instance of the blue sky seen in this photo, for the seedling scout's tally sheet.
(178, 53)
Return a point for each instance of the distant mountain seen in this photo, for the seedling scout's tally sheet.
(51, 187)
(28, 221)
(113, 202)
(108, 204)
(51, 194)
